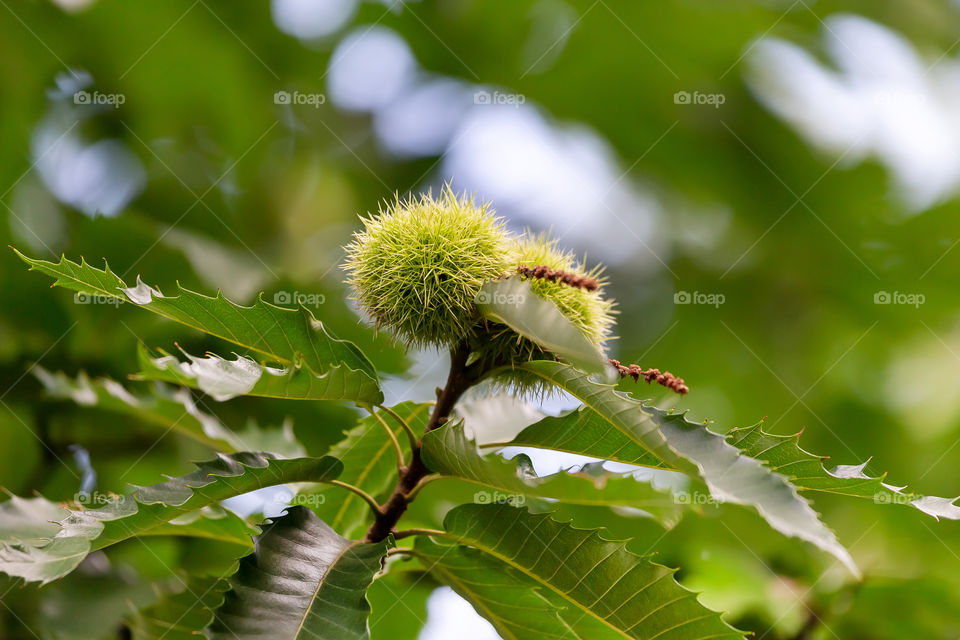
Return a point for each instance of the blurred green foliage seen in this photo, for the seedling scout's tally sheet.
(245, 194)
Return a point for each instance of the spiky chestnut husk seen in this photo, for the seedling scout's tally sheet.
(418, 265)
(587, 308)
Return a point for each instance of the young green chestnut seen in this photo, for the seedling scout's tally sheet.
(418, 265)
(583, 304)
(555, 275)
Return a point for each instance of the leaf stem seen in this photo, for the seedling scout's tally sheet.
(370, 500)
(406, 533)
(495, 445)
(401, 461)
(414, 440)
(424, 481)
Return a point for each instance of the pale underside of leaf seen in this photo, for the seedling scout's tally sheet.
(513, 302)
(224, 379)
(63, 546)
(29, 520)
(170, 409)
(286, 336)
(736, 478)
(156, 509)
(584, 432)
(807, 472)
(449, 452)
(694, 449)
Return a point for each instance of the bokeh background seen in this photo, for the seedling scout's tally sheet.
(772, 185)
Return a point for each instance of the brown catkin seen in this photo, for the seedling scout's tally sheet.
(665, 379)
(575, 280)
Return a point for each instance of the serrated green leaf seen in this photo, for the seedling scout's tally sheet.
(512, 604)
(211, 522)
(187, 601)
(599, 589)
(159, 508)
(736, 478)
(694, 449)
(224, 379)
(170, 409)
(807, 472)
(182, 614)
(29, 519)
(512, 302)
(304, 581)
(583, 431)
(398, 601)
(449, 452)
(369, 462)
(287, 336)
(68, 540)
(87, 605)
(620, 412)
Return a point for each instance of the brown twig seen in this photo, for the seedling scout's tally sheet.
(459, 380)
(665, 379)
